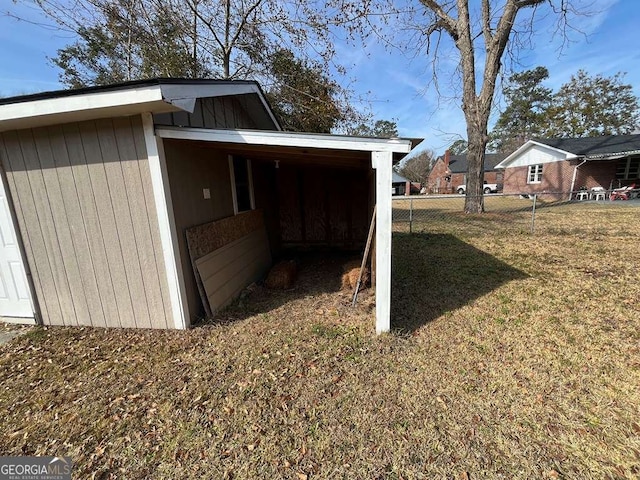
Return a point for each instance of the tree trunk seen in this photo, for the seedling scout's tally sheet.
(474, 199)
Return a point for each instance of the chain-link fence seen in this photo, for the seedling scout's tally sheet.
(560, 213)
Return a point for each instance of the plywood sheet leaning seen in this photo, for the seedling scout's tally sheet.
(233, 242)
(226, 271)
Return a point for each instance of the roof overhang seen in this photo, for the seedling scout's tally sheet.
(287, 139)
(611, 156)
(133, 98)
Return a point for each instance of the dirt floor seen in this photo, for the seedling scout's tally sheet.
(513, 356)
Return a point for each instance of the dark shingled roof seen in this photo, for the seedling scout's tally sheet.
(458, 163)
(595, 146)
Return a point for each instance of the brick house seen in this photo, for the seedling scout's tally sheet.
(449, 171)
(563, 165)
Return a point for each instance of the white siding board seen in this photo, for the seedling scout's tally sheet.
(122, 205)
(152, 225)
(140, 221)
(47, 225)
(51, 175)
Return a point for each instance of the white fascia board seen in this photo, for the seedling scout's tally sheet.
(76, 107)
(286, 139)
(530, 143)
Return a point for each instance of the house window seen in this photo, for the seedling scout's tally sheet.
(535, 173)
(241, 184)
(628, 168)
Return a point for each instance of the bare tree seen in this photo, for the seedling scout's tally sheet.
(417, 168)
(483, 33)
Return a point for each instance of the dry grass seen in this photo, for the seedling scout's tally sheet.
(514, 357)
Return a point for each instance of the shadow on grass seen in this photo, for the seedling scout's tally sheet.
(437, 273)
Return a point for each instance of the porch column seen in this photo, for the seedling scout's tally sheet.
(382, 162)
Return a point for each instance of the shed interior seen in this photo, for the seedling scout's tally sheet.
(310, 199)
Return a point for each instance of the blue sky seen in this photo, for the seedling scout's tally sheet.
(399, 85)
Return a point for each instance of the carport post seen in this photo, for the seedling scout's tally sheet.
(382, 162)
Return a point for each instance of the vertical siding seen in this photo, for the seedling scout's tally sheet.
(90, 231)
(212, 112)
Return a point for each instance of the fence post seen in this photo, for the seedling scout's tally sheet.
(410, 215)
(533, 214)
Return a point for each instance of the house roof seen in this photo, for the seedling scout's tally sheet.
(458, 163)
(602, 146)
(158, 95)
(605, 147)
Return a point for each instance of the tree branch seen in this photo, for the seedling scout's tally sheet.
(486, 22)
(443, 18)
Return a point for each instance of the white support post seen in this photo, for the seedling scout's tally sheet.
(166, 224)
(383, 162)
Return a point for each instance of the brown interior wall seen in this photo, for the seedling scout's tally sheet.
(191, 168)
(264, 187)
(84, 205)
(323, 206)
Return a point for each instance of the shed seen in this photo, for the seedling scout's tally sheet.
(108, 191)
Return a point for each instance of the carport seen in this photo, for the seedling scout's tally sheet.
(103, 184)
(369, 160)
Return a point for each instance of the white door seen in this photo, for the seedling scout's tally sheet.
(15, 300)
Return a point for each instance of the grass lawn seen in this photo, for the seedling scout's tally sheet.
(514, 356)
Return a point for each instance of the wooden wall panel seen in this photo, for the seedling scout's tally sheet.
(20, 188)
(91, 239)
(88, 212)
(107, 218)
(193, 167)
(264, 187)
(323, 206)
(46, 222)
(315, 204)
(227, 270)
(213, 112)
(163, 310)
(291, 215)
(62, 236)
(136, 201)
